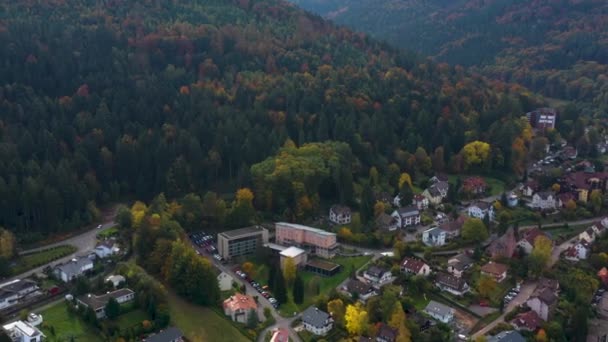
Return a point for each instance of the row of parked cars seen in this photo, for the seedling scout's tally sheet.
(597, 297)
(512, 294)
(207, 243)
(263, 290)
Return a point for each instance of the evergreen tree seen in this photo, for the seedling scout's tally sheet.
(280, 291)
(252, 319)
(406, 195)
(112, 309)
(298, 290)
(367, 204)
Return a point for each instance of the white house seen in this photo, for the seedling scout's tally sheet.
(440, 312)
(480, 209)
(407, 216)
(415, 267)
(579, 251)
(73, 268)
(544, 298)
(104, 250)
(434, 237)
(316, 321)
(116, 280)
(239, 307)
(378, 276)
(420, 202)
(436, 192)
(458, 264)
(545, 200)
(21, 331)
(452, 284)
(224, 281)
(98, 303)
(339, 214)
(14, 291)
(587, 235)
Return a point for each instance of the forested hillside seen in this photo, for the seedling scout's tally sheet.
(106, 100)
(558, 47)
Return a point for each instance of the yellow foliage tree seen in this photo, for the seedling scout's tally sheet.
(244, 195)
(336, 309)
(7, 244)
(379, 208)
(543, 248)
(555, 187)
(289, 271)
(485, 286)
(541, 336)
(475, 153)
(571, 205)
(405, 178)
(345, 234)
(138, 211)
(397, 321)
(154, 220)
(249, 268)
(356, 319)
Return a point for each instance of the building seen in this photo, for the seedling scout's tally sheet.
(453, 228)
(386, 333)
(21, 331)
(544, 298)
(359, 289)
(440, 312)
(280, 335)
(387, 222)
(542, 118)
(528, 321)
(495, 270)
(171, 334)
(415, 267)
(530, 188)
(434, 237)
(452, 284)
(323, 267)
(316, 321)
(13, 292)
(116, 280)
(239, 307)
(73, 269)
(480, 210)
(240, 242)
(436, 192)
(98, 303)
(545, 200)
(507, 336)
(593, 232)
(378, 276)
(295, 254)
(580, 251)
(420, 202)
(474, 185)
(105, 250)
(313, 240)
(224, 281)
(512, 200)
(458, 264)
(407, 216)
(526, 243)
(340, 214)
(583, 183)
(504, 246)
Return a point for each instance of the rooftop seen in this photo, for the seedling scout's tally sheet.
(292, 252)
(240, 302)
(18, 285)
(302, 227)
(24, 327)
(507, 336)
(242, 231)
(315, 317)
(96, 302)
(494, 268)
(73, 266)
(323, 264)
(412, 264)
(438, 308)
(528, 320)
(167, 335)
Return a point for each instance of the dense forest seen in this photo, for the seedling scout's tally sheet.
(106, 100)
(557, 47)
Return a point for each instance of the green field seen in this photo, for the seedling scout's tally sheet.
(108, 233)
(131, 319)
(27, 262)
(66, 325)
(201, 324)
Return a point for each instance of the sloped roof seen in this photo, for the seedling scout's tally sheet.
(412, 264)
(240, 302)
(438, 308)
(315, 317)
(494, 268)
(356, 286)
(527, 320)
(450, 281)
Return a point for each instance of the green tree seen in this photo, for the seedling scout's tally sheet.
(298, 290)
(337, 310)
(252, 319)
(280, 291)
(112, 309)
(486, 286)
(541, 255)
(406, 195)
(367, 204)
(474, 229)
(596, 201)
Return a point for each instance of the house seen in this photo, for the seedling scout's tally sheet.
(296, 255)
(378, 276)
(569, 152)
(583, 183)
(526, 243)
(116, 280)
(434, 237)
(580, 251)
(565, 197)
(280, 335)
(440, 312)
(587, 235)
(542, 118)
(386, 333)
(387, 222)
(439, 177)
(458, 264)
(316, 321)
(495, 270)
(171, 334)
(452, 284)
(21, 331)
(452, 228)
(530, 188)
(357, 288)
(98, 303)
(504, 246)
(340, 214)
(105, 250)
(13, 292)
(544, 298)
(545, 200)
(480, 210)
(73, 269)
(507, 336)
(407, 216)
(436, 192)
(420, 202)
(415, 267)
(239, 307)
(528, 321)
(474, 185)
(224, 280)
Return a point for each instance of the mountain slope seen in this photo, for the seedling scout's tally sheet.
(103, 100)
(559, 47)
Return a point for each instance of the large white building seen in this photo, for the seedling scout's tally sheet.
(21, 331)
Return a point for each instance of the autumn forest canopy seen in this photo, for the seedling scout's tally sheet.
(103, 101)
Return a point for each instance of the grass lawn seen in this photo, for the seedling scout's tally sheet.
(67, 325)
(27, 262)
(108, 233)
(566, 232)
(201, 323)
(420, 302)
(131, 319)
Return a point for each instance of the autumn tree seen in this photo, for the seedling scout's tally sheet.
(249, 268)
(438, 159)
(486, 286)
(541, 255)
(475, 154)
(289, 271)
(379, 208)
(597, 200)
(138, 210)
(398, 321)
(355, 319)
(541, 336)
(337, 311)
(405, 179)
(474, 229)
(8, 244)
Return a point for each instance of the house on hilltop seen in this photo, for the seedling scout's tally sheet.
(340, 214)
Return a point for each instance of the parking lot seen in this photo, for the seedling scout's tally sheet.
(264, 290)
(205, 244)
